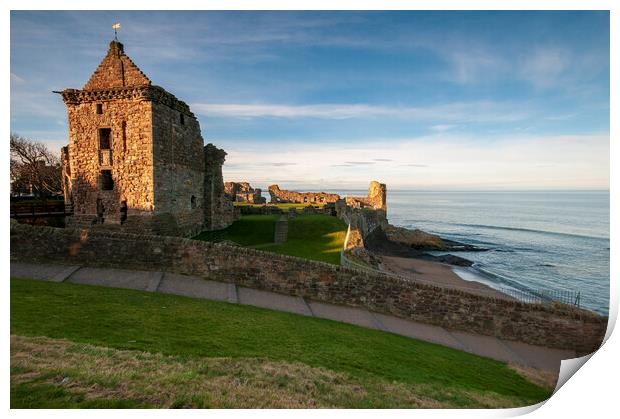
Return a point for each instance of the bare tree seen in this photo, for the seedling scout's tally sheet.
(34, 167)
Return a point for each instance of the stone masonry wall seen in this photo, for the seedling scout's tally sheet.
(551, 326)
(150, 176)
(376, 198)
(178, 161)
(116, 70)
(218, 209)
(279, 195)
(129, 158)
(243, 192)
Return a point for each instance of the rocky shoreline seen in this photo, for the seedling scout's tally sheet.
(401, 242)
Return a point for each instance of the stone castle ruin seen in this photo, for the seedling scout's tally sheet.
(243, 192)
(376, 198)
(282, 196)
(136, 160)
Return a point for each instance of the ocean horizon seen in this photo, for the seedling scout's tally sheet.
(538, 240)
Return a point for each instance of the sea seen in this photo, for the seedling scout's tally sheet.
(538, 242)
(549, 241)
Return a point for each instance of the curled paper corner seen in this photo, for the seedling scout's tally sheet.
(569, 367)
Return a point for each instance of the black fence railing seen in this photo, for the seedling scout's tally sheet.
(42, 208)
(544, 296)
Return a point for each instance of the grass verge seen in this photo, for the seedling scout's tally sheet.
(333, 364)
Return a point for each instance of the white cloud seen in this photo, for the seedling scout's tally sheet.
(532, 162)
(453, 112)
(471, 66)
(16, 79)
(544, 66)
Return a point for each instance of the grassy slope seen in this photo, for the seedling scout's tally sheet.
(193, 329)
(316, 237)
(249, 230)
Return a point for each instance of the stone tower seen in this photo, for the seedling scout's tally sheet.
(136, 156)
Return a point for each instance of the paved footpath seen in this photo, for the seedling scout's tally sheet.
(192, 286)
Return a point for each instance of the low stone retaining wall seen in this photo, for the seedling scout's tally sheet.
(557, 327)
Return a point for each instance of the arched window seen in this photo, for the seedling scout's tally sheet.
(193, 202)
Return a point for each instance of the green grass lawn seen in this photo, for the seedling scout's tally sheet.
(281, 205)
(130, 348)
(249, 230)
(315, 237)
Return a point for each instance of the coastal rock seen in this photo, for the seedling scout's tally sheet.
(416, 239)
(453, 260)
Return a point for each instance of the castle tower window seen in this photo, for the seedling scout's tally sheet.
(182, 119)
(99, 109)
(193, 202)
(105, 135)
(124, 129)
(123, 211)
(107, 184)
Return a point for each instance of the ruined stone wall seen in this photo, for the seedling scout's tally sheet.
(376, 198)
(552, 326)
(178, 162)
(284, 196)
(129, 158)
(218, 209)
(243, 192)
(65, 171)
(362, 222)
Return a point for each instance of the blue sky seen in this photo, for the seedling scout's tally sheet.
(425, 100)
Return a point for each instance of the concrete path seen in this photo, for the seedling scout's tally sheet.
(503, 350)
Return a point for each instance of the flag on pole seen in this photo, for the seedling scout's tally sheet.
(116, 26)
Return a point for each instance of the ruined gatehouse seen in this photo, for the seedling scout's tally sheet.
(136, 159)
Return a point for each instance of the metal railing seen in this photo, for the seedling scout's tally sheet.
(48, 208)
(544, 296)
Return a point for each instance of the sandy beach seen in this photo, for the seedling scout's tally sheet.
(436, 273)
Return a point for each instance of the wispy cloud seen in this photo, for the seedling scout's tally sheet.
(543, 66)
(16, 79)
(442, 127)
(470, 65)
(483, 111)
(459, 162)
